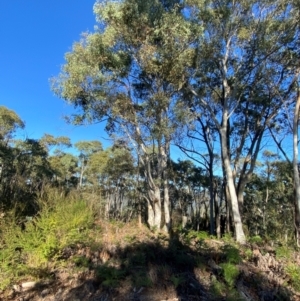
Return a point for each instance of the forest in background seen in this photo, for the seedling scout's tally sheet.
(218, 80)
(112, 181)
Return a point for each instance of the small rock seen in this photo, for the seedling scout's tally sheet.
(17, 288)
(45, 292)
(28, 285)
(213, 265)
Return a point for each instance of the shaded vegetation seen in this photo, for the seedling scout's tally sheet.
(120, 260)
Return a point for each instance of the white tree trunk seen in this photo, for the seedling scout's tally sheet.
(154, 209)
(167, 225)
(295, 169)
(238, 227)
(164, 150)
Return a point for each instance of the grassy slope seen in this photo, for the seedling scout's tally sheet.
(116, 261)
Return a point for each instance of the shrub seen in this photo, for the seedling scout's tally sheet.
(232, 254)
(283, 252)
(177, 280)
(217, 288)
(256, 239)
(294, 273)
(230, 273)
(58, 224)
(109, 276)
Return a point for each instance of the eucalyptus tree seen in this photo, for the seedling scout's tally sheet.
(296, 167)
(86, 149)
(199, 143)
(64, 166)
(57, 143)
(287, 124)
(269, 201)
(240, 84)
(294, 64)
(190, 186)
(129, 73)
(9, 123)
(25, 173)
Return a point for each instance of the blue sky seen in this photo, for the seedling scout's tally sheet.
(35, 35)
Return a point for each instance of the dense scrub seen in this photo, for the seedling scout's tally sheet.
(66, 252)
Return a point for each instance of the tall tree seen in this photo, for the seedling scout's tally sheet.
(129, 73)
(86, 149)
(296, 167)
(294, 59)
(240, 83)
(9, 123)
(60, 142)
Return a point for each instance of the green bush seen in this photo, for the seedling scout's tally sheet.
(294, 273)
(230, 273)
(109, 276)
(256, 239)
(217, 288)
(141, 279)
(81, 261)
(58, 224)
(177, 280)
(283, 252)
(232, 254)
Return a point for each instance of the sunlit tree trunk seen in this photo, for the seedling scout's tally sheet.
(164, 151)
(295, 169)
(238, 227)
(154, 209)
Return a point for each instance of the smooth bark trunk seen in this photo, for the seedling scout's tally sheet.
(164, 151)
(296, 170)
(238, 227)
(154, 209)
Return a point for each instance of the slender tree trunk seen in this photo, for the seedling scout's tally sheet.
(217, 211)
(81, 174)
(295, 169)
(211, 203)
(167, 226)
(238, 227)
(154, 209)
(140, 214)
(240, 195)
(151, 221)
(164, 167)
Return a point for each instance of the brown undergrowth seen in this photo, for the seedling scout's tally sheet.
(119, 261)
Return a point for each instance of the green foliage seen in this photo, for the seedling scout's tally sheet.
(233, 295)
(81, 261)
(59, 224)
(230, 273)
(141, 279)
(283, 252)
(9, 123)
(293, 272)
(177, 280)
(248, 254)
(199, 236)
(130, 238)
(217, 288)
(109, 276)
(256, 239)
(228, 238)
(232, 254)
